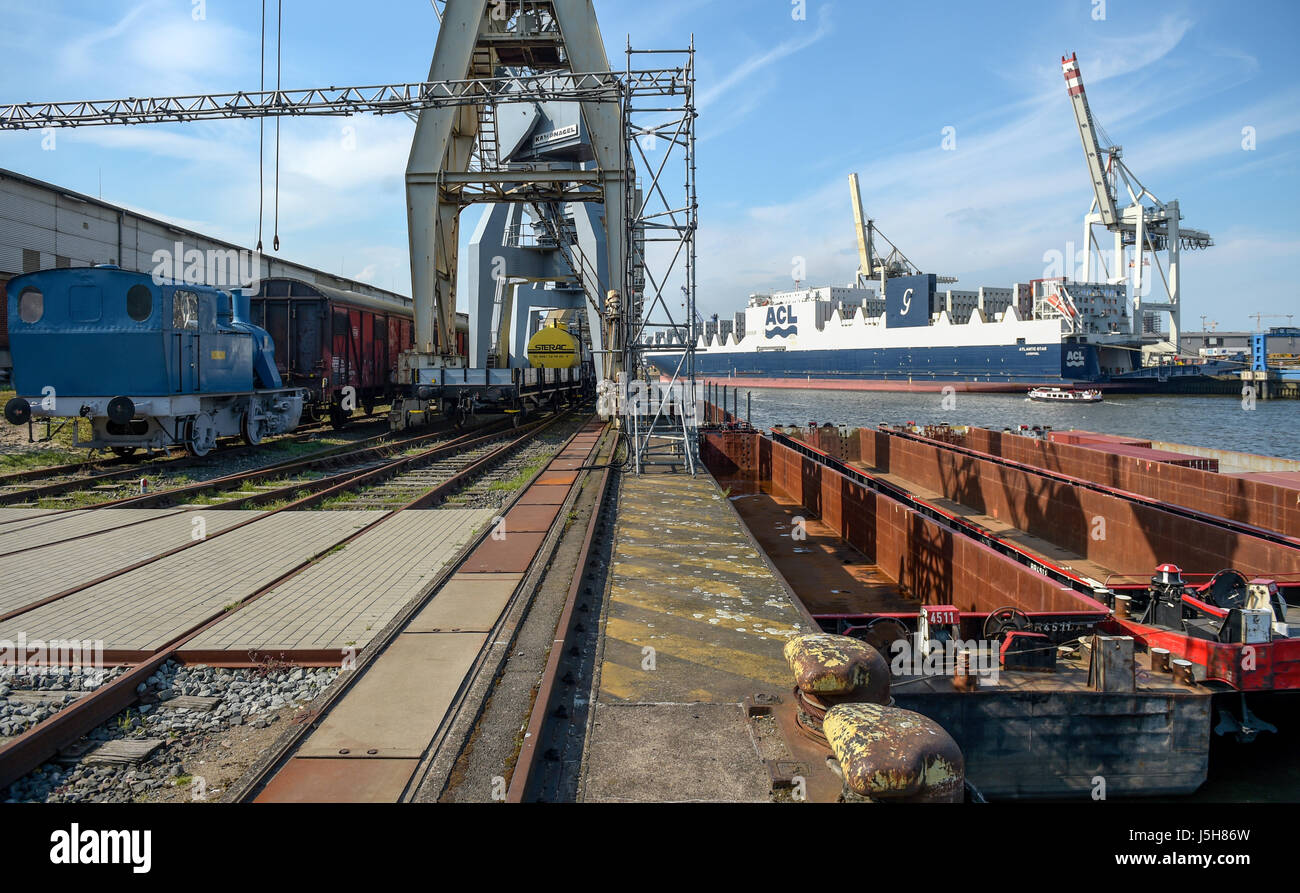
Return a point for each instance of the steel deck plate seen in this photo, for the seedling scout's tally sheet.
(511, 555)
(338, 781)
(397, 706)
(530, 518)
(557, 478)
(544, 495)
(468, 603)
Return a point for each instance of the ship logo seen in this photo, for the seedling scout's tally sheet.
(1074, 358)
(907, 301)
(781, 321)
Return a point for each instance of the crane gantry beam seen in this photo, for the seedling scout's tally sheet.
(380, 99)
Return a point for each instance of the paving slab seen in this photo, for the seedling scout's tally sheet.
(675, 753)
(350, 595)
(468, 602)
(17, 518)
(144, 609)
(59, 528)
(397, 706)
(42, 571)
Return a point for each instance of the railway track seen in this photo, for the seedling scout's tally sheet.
(484, 664)
(29, 750)
(112, 476)
(282, 482)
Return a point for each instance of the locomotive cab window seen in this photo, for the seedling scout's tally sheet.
(31, 305)
(185, 310)
(139, 302)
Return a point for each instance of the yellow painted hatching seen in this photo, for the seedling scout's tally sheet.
(687, 582)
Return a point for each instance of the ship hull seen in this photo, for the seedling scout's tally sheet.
(986, 368)
(901, 384)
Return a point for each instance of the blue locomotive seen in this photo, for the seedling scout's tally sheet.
(152, 365)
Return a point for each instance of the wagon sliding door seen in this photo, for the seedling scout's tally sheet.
(347, 348)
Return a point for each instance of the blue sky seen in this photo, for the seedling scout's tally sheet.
(788, 108)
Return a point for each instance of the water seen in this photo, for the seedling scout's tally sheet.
(1272, 428)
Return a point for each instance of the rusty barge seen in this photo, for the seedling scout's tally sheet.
(1017, 602)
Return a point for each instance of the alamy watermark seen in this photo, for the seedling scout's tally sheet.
(215, 267)
(52, 657)
(918, 657)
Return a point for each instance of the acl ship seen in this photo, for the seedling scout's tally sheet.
(1049, 332)
(892, 330)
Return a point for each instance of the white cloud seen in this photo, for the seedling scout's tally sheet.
(1013, 188)
(155, 48)
(742, 74)
(347, 153)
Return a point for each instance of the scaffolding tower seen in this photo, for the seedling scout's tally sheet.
(660, 401)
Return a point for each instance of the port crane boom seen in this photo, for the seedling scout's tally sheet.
(1092, 151)
(871, 267)
(1146, 224)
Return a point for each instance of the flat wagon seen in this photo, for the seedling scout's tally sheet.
(340, 346)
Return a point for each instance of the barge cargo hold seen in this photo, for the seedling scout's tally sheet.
(1230, 627)
(869, 566)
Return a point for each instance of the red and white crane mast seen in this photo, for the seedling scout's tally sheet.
(1146, 225)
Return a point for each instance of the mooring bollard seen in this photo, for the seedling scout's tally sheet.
(1160, 660)
(1183, 672)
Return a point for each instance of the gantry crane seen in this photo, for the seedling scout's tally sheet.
(492, 55)
(489, 54)
(1153, 226)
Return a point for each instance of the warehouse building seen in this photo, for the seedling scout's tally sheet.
(43, 226)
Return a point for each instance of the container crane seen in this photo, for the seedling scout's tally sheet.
(1149, 227)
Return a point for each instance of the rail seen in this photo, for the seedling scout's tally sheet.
(39, 743)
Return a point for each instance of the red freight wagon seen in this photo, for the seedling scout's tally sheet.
(328, 339)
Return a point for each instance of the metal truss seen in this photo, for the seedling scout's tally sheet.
(383, 99)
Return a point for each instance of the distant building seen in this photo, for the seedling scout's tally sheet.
(1281, 340)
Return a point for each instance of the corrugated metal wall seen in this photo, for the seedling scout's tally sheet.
(42, 226)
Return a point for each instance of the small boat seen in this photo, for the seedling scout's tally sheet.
(1063, 395)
